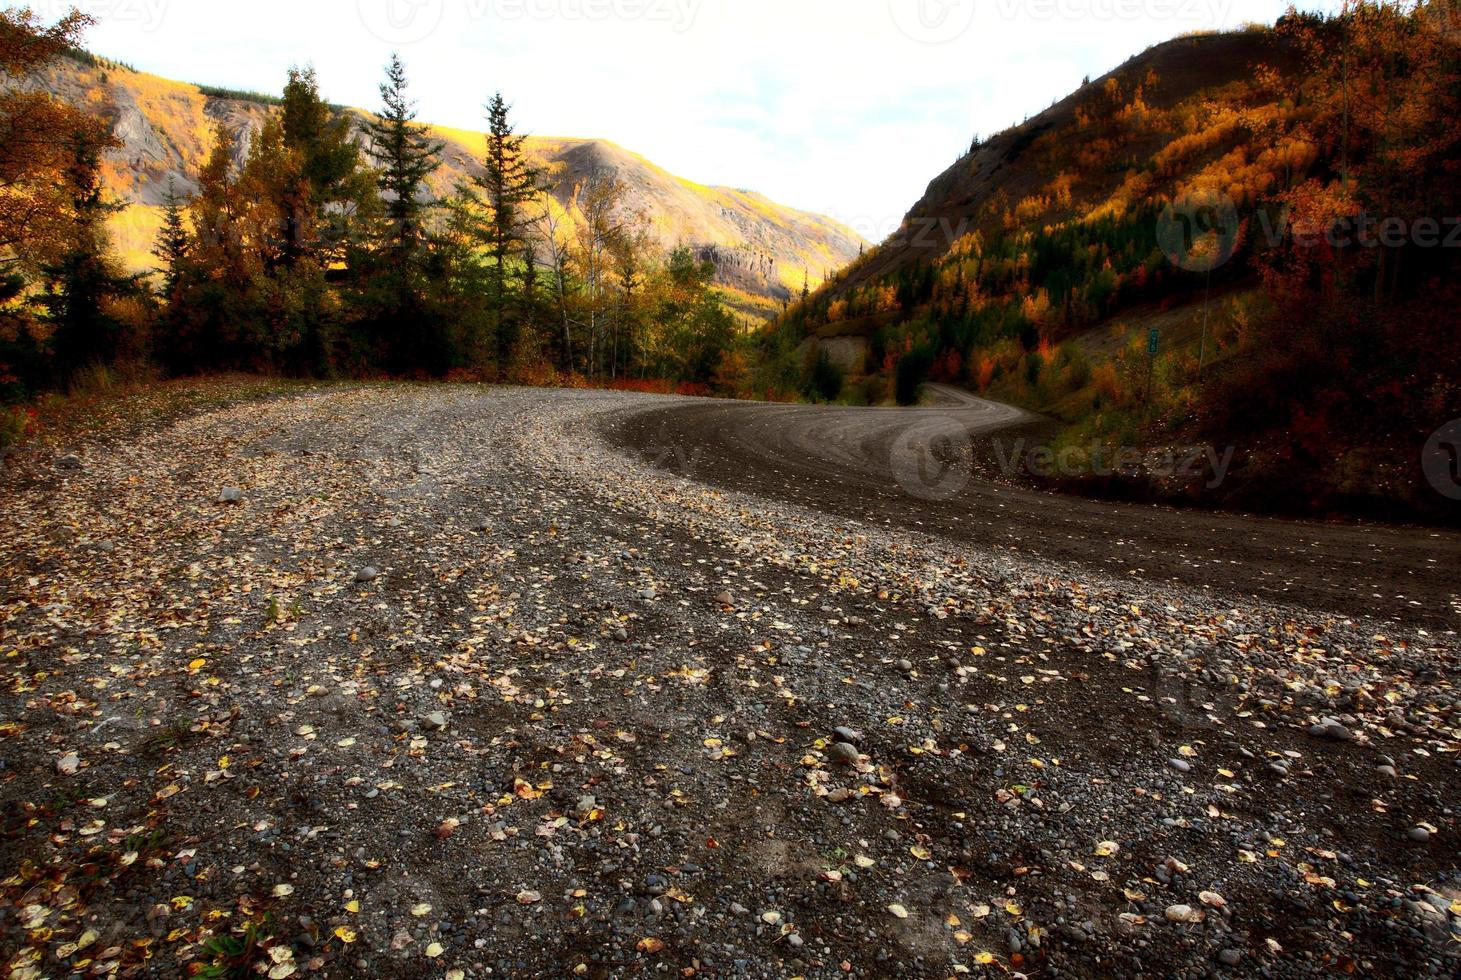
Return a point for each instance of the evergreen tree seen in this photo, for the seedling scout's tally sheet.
(406, 156)
(214, 301)
(394, 286)
(507, 184)
(174, 241)
(337, 185)
(84, 280)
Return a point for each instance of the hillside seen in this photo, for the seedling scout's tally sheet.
(761, 249)
(1178, 252)
(1070, 163)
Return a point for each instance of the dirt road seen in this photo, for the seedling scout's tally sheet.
(452, 687)
(876, 465)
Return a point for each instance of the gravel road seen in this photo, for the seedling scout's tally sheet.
(456, 686)
(882, 466)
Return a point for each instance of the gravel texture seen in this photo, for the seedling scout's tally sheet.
(591, 717)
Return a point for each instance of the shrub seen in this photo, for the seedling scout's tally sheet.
(16, 425)
(824, 379)
(913, 371)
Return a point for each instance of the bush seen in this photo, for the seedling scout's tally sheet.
(16, 425)
(913, 371)
(824, 379)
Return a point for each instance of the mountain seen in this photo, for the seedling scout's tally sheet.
(1184, 251)
(762, 250)
(1118, 142)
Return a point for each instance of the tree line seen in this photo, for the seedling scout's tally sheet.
(325, 248)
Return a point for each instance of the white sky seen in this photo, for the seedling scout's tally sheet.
(847, 107)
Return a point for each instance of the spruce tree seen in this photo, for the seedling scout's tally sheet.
(174, 242)
(83, 280)
(394, 287)
(507, 184)
(406, 156)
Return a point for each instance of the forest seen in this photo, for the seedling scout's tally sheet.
(325, 255)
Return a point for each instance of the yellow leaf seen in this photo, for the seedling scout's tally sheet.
(345, 934)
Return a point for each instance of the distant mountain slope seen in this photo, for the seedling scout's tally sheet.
(761, 249)
(1112, 146)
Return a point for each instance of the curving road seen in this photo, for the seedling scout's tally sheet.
(905, 468)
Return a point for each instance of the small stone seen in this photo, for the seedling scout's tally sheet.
(230, 495)
(1419, 834)
(1181, 765)
(906, 666)
(847, 735)
(1387, 771)
(1331, 730)
(621, 635)
(70, 461)
(839, 795)
(647, 593)
(68, 764)
(1183, 913)
(367, 574)
(725, 599)
(587, 804)
(435, 721)
(844, 754)
(1230, 957)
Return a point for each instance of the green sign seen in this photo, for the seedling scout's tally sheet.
(1153, 342)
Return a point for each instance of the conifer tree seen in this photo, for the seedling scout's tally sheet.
(406, 156)
(502, 191)
(174, 241)
(337, 184)
(394, 284)
(84, 279)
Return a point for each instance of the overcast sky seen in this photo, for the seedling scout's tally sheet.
(847, 107)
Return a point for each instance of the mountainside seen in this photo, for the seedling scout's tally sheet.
(1185, 249)
(761, 249)
(1102, 150)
